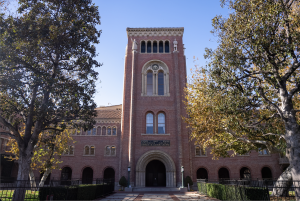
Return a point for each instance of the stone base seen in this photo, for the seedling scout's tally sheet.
(183, 189)
(128, 189)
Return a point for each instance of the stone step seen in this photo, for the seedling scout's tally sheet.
(140, 189)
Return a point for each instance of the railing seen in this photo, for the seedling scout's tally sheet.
(32, 189)
(284, 160)
(277, 190)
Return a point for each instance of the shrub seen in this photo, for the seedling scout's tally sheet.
(187, 181)
(87, 192)
(59, 193)
(123, 181)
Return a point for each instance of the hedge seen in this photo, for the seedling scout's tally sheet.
(233, 192)
(78, 192)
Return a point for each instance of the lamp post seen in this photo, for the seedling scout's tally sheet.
(128, 177)
(182, 170)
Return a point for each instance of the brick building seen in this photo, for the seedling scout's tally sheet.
(147, 133)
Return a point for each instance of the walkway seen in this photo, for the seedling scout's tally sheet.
(157, 196)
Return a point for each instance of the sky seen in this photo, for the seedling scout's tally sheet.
(116, 15)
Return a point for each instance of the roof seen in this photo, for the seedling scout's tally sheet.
(109, 112)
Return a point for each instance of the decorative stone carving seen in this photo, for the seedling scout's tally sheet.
(175, 44)
(134, 45)
(155, 31)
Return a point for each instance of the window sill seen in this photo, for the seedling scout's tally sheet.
(110, 155)
(242, 155)
(68, 155)
(156, 134)
(201, 156)
(88, 155)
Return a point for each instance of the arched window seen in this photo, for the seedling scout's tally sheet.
(94, 131)
(103, 130)
(109, 173)
(154, 47)
(113, 150)
(161, 123)
(89, 132)
(161, 47)
(71, 150)
(114, 131)
(167, 47)
(86, 150)
(143, 47)
(266, 173)
(161, 83)
(223, 173)
(108, 131)
(87, 176)
(98, 130)
(149, 47)
(66, 174)
(107, 150)
(245, 173)
(200, 151)
(149, 83)
(92, 150)
(149, 123)
(202, 173)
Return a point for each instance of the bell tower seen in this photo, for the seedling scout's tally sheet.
(153, 93)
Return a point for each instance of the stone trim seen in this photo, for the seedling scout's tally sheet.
(155, 155)
(176, 31)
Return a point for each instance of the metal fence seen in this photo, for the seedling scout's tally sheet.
(32, 189)
(277, 190)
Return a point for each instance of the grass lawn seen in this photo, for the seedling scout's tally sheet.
(6, 195)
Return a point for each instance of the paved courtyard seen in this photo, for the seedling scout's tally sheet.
(157, 196)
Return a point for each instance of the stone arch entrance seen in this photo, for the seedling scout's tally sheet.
(160, 156)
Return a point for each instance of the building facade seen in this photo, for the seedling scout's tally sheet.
(147, 132)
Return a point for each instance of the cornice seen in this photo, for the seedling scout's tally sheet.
(166, 31)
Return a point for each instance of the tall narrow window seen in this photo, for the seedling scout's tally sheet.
(167, 47)
(149, 83)
(198, 153)
(149, 123)
(86, 150)
(71, 150)
(94, 131)
(143, 47)
(98, 130)
(161, 123)
(113, 150)
(114, 131)
(92, 150)
(89, 132)
(107, 150)
(160, 83)
(103, 130)
(154, 47)
(149, 47)
(161, 47)
(108, 131)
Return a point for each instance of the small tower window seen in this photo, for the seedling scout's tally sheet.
(103, 130)
(149, 47)
(160, 83)
(108, 131)
(161, 123)
(161, 47)
(149, 83)
(114, 131)
(154, 47)
(94, 131)
(167, 47)
(143, 47)
(149, 123)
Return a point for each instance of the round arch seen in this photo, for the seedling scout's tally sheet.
(155, 155)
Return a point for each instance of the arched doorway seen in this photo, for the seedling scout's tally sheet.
(161, 156)
(245, 173)
(66, 175)
(266, 173)
(155, 173)
(109, 173)
(202, 173)
(223, 173)
(87, 175)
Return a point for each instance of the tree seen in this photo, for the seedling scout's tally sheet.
(47, 76)
(47, 152)
(123, 182)
(251, 83)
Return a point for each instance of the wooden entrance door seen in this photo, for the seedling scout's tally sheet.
(155, 173)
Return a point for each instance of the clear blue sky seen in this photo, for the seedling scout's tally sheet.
(116, 15)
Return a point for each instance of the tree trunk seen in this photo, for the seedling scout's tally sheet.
(22, 179)
(45, 175)
(283, 183)
(32, 180)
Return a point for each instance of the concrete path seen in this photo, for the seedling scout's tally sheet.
(160, 196)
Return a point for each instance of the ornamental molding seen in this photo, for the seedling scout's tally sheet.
(155, 31)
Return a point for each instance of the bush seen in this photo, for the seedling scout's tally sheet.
(233, 192)
(87, 192)
(123, 181)
(187, 181)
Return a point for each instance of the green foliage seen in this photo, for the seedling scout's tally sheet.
(187, 181)
(233, 192)
(123, 181)
(87, 192)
